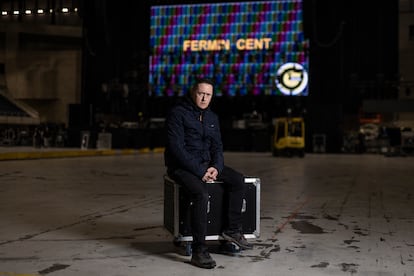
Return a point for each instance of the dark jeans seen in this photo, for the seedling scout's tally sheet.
(234, 187)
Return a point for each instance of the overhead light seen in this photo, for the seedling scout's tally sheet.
(40, 11)
(4, 13)
(28, 12)
(16, 12)
(65, 10)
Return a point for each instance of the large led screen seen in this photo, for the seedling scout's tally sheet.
(247, 48)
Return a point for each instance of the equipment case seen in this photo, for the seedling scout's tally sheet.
(177, 210)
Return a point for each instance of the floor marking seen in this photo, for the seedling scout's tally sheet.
(16, 274)
(292, 216)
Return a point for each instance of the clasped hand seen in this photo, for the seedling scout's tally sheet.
(210, 175)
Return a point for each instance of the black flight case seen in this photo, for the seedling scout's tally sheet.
(177, 211)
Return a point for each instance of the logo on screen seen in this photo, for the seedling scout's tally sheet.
(292, 79)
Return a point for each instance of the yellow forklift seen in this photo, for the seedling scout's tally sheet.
(289, 137)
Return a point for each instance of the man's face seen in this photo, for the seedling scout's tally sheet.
(202, 96)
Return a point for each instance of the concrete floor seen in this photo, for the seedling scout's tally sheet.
(103, 215)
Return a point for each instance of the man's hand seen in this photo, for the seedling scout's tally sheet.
(210, 175)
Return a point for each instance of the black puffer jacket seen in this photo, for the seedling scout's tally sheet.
(193, 139)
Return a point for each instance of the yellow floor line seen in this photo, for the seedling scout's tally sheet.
(16, 274)
(75, 153)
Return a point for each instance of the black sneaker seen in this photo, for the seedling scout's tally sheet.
(237, 238)
(202, 259)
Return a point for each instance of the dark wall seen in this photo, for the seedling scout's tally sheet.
(353, 49)
(353, 56)
(116, 39)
